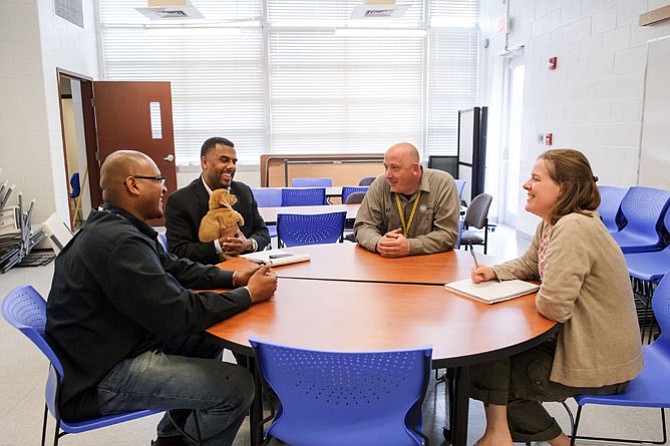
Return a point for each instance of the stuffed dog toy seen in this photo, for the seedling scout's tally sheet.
(220, 207)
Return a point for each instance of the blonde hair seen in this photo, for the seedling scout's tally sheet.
(572, 171)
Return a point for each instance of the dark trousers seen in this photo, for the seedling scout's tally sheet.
(521, 382)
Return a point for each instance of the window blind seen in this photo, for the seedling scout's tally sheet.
(297, 76)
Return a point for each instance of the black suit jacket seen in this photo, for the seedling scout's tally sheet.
(185, 209)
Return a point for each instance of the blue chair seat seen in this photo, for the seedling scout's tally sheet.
(631, 242)
(648, 266)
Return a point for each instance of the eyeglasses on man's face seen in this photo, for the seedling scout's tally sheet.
(158, 178)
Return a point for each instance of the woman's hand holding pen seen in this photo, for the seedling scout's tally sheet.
(482, 273)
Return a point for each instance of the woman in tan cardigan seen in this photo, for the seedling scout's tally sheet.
(585, 287)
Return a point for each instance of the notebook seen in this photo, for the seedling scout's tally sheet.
(277, 257)
(492, 291)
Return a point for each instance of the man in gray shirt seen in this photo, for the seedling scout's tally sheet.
(410, 210)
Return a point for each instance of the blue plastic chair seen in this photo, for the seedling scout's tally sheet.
(348, 190)
(650, 266)
(310, 229)
(643, 209)
(652, 387)
(337, 398)
(267, 198)
(162, 239)
(646, 269)
(610, 203)
(315, 196)
(74, 184)
(312, 182)
(460, 186)
(25, 309)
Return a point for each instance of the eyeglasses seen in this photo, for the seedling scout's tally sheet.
(159, 178)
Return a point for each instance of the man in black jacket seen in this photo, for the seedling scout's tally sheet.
(125, 323)
(186, 207)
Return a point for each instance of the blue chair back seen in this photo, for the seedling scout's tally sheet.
(610, 203)
(310, 229)
(267, 197)
(303, 197)
(162, 239)
(366, 181)
(312, 182)
(642, 209)
(460, 186)
(348, 190)
(337, 398)
(25, 309)
(74, 184)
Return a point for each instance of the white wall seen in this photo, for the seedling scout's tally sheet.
(33, 43)
(593, 101)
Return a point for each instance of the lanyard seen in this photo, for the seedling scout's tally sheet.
(406, 226)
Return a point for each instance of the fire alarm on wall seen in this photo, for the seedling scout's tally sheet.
(552, 63)
(548, 139)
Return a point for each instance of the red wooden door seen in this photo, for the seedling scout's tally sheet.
(137, 116)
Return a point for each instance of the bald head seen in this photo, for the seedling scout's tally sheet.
(403, 170)
(120, 165)
(131, 180)
(404, 151)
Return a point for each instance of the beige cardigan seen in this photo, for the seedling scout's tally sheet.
(585, 287)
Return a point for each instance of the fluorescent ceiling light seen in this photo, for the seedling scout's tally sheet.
(365, 32)
(378, 9)
(170, 10)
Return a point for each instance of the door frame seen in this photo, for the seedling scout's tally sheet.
(91, 149)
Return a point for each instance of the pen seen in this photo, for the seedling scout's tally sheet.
(472, 253)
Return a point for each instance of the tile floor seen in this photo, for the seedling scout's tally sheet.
(23, 370)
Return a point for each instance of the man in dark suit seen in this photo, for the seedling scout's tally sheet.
(186, 207)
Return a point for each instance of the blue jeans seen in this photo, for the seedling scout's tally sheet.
(182, 375)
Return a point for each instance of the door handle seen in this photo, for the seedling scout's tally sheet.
(169, 158)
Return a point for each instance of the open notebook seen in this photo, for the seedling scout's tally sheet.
(492, 291)
(276, 257)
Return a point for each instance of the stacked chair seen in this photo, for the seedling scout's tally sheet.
(640, 224)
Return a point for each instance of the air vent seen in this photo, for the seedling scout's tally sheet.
(170, 10)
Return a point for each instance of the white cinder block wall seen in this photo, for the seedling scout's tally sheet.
(593, 101)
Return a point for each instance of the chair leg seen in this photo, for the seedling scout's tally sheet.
(44, 424)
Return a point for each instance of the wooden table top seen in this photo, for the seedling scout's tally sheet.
(349, 262)
(349, 316)
(269, 214)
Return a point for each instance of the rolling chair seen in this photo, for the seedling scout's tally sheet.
(338, 398)
(25, 309)
(651, 388)
(366, 181)
(477, 217)
(315, 196)
(310, 229)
